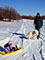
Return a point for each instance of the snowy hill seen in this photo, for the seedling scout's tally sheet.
(32, 49)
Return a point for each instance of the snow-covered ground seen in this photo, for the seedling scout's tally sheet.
(32, 49)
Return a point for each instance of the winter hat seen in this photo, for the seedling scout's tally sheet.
(10, 42)
(38, 13)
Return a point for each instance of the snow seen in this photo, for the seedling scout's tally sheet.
(31, 48)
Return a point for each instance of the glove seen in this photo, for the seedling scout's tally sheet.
(34, 24)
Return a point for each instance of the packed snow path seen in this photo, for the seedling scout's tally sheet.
(31, 48)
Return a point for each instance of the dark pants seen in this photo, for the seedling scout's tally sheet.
(38, 33)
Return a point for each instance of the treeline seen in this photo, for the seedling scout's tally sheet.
(7, 13)
(31, 17)
(26, 17)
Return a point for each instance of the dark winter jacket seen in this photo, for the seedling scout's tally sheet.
(39, 22)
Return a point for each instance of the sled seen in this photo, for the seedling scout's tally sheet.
(6, 54)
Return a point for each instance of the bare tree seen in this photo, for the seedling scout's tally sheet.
(1, 13)
(9, 13)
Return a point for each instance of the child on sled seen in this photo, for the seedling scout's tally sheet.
(9, 48)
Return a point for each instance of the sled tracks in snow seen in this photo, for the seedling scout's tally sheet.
(43, 36)
(43, 40)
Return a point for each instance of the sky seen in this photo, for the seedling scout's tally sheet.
(25, 7)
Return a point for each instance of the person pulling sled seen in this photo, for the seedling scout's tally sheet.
(38, 23)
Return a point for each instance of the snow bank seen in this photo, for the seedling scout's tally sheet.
(31, 48)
